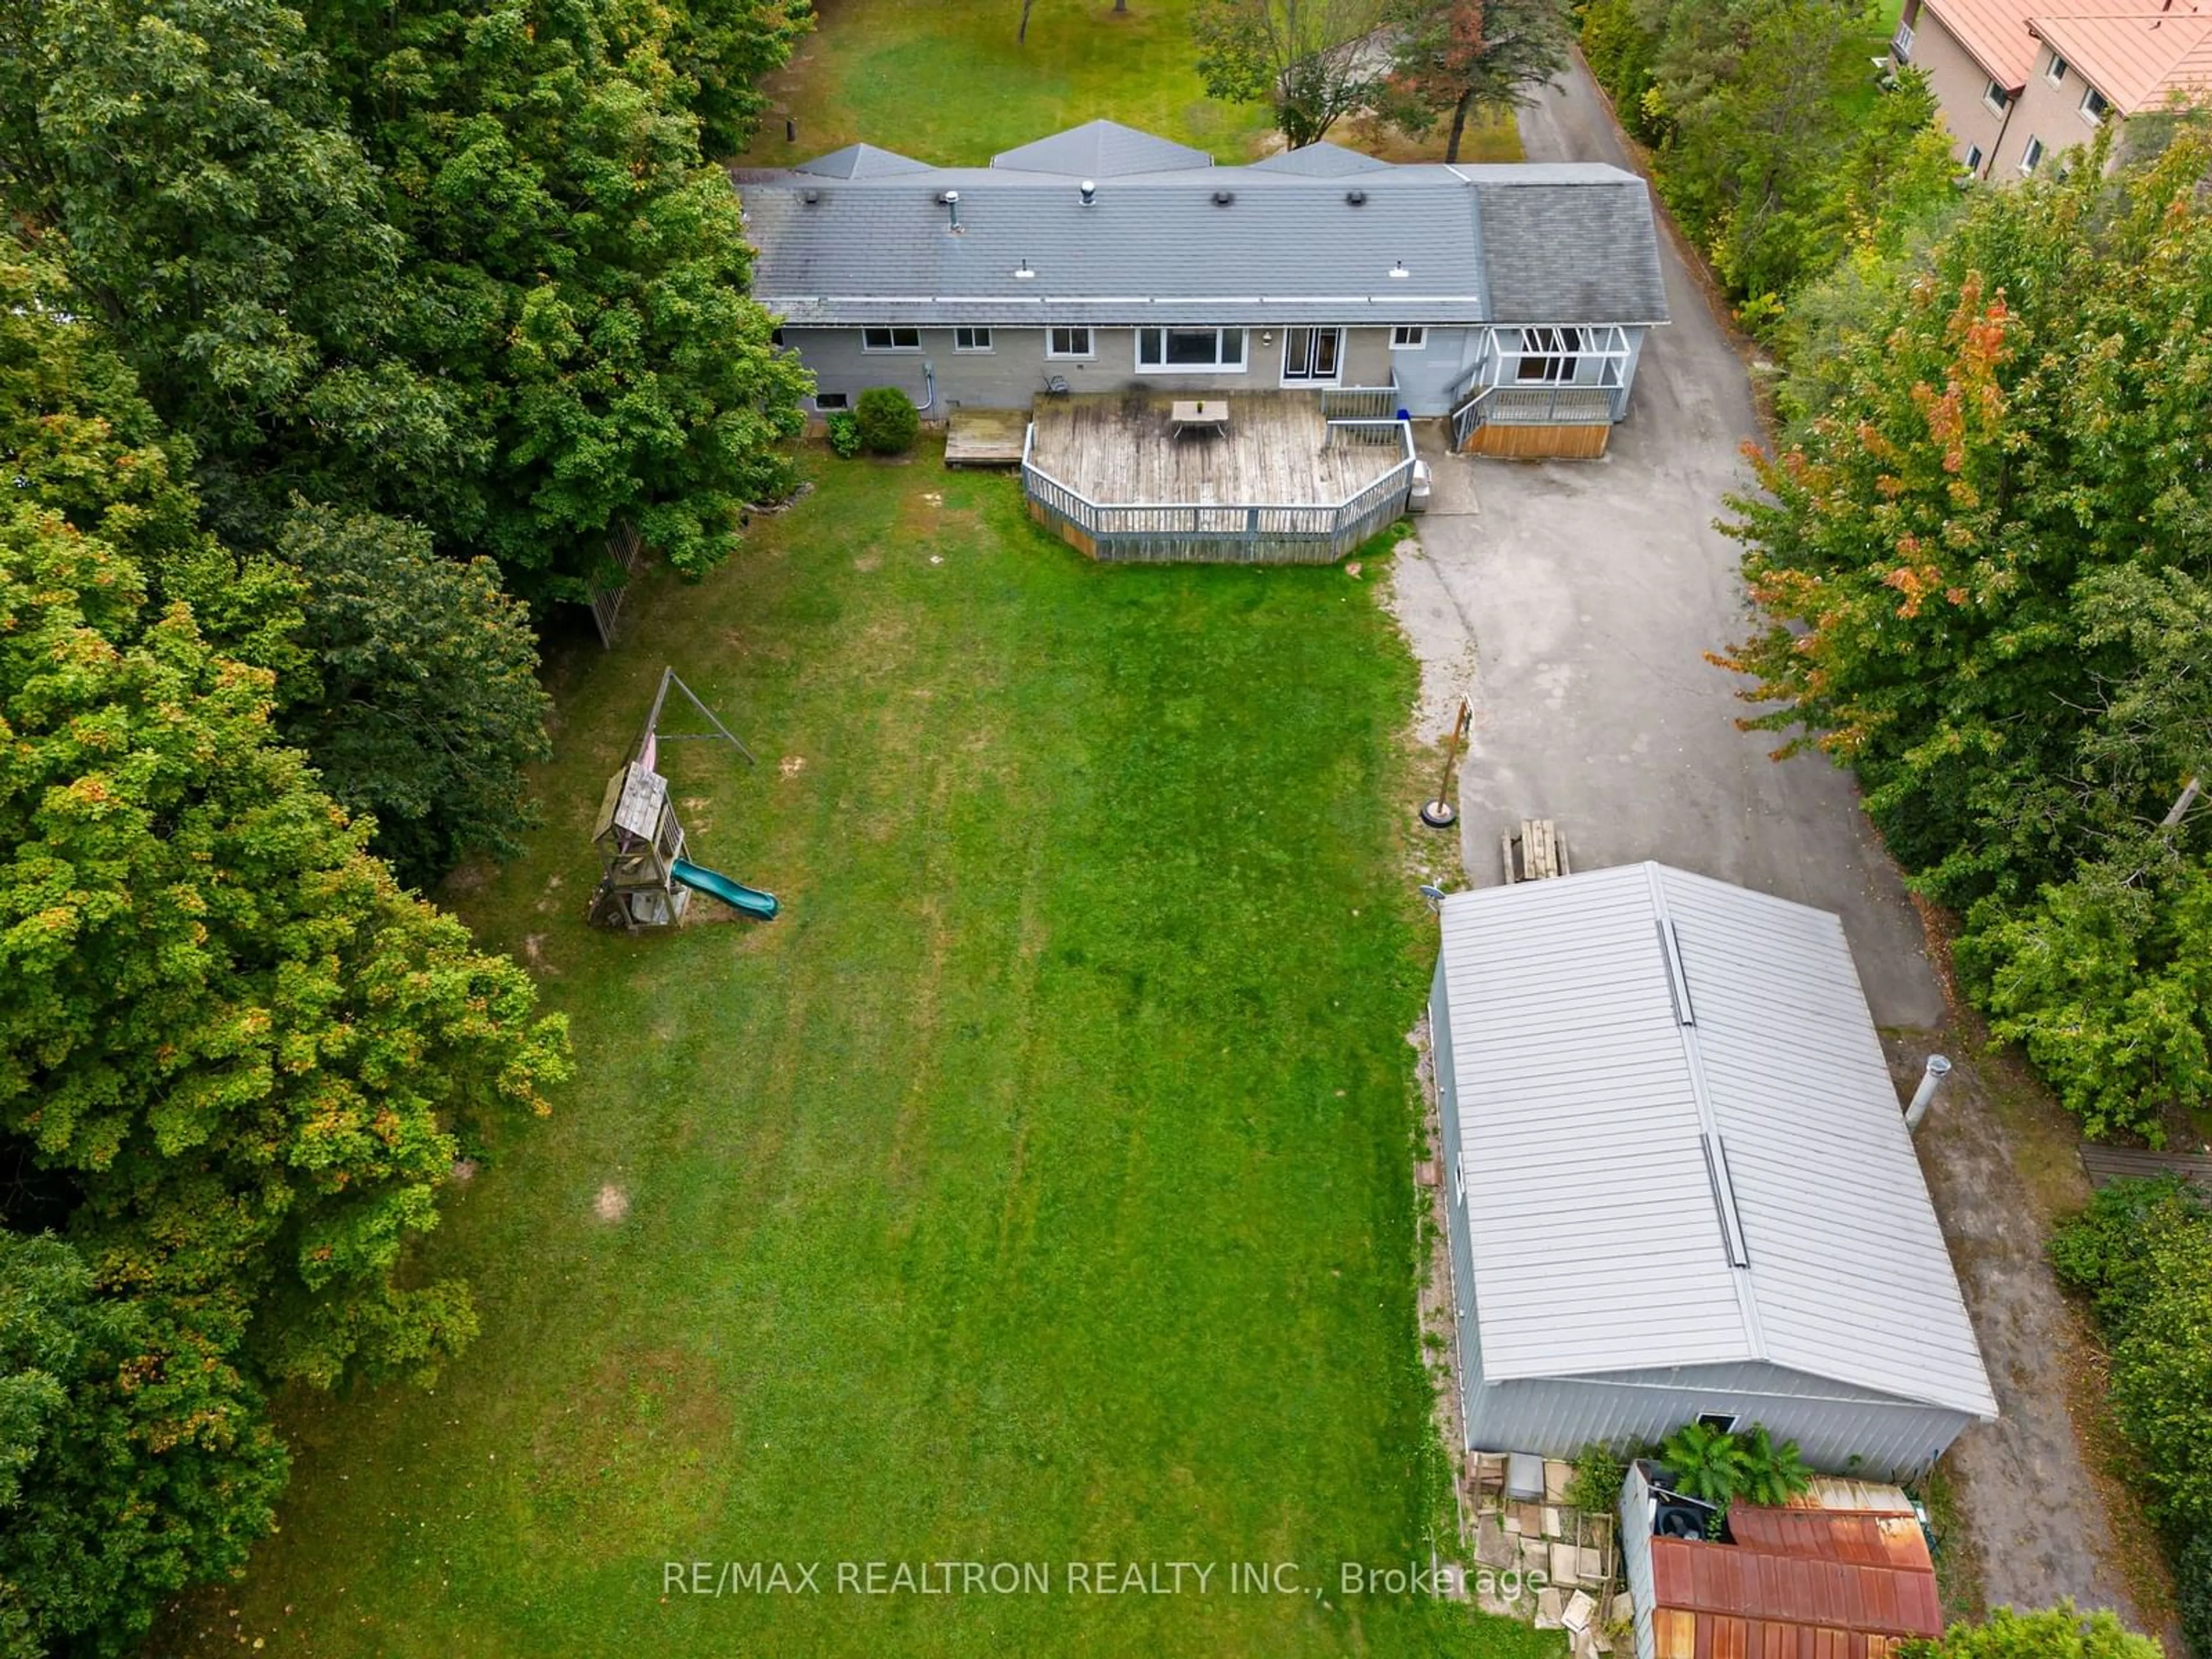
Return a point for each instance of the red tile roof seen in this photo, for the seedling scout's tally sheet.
(1995, 33)
(1796, 1583)
(2136, 53)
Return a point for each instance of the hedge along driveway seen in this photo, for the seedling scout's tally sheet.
(1037, 1189)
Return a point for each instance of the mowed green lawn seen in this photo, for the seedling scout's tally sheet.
(946, 82)
(1037, 1189)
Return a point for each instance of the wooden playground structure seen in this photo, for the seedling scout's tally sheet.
(645, 879)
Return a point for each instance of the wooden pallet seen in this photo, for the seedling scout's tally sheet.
(1534, 852)
(2105, 1164)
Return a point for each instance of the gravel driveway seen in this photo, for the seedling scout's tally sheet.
(1574, 602)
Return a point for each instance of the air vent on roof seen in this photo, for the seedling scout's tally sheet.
(1717, 1176)
(1089, 192)
(1357, 198)
(809, 197)
(1678, 981)
(1224, 197)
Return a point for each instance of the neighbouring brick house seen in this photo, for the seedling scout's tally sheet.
(2020, 80)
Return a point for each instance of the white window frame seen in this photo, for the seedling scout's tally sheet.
(891, 332)
(2031, 157)
(1459, 1184)
(1995, 98)
(1974, 158)
(1409, 337)
(1555, 348)
(1901, 44)
(1726, 1422)
(1090, 347)
(2055, 71)
(979, 339)
(2095, 117)
(1220, 365)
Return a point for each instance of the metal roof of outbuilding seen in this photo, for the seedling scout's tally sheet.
(1620, 1161)
(1804, 1582)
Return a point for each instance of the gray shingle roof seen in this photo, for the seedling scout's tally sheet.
(861, 161)
(1102, 150)
(877, 244)
(1582, 1100)
(1579, 250)
(1319, 161)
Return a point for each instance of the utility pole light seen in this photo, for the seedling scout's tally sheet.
(1440, 813)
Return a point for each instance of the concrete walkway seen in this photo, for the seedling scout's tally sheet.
(1573, 602)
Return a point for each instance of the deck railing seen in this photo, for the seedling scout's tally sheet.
(1196, 533)
(1536, 405)
(1360, 403)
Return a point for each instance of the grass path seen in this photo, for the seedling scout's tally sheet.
(1035, 1189)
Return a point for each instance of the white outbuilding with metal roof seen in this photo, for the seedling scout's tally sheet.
(1679, 1181)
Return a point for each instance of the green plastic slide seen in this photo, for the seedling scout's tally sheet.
(735, 894)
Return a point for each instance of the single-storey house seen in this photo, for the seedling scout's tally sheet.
(1104, 259)
(1679, 1181)
(2020, 80)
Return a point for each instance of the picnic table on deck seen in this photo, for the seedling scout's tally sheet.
(1199, 415)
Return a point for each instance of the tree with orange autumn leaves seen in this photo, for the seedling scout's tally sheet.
(1986, 565)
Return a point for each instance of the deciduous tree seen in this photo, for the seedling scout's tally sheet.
(1312, 62)
(1463, 57)
(419, 700)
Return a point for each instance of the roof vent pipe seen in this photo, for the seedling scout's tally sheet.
(1357, 198)
(1224, 197)
(951, 200)
(1938, 1069)
(1089, 192)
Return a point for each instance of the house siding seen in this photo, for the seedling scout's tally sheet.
(1558, 1416)
(1460, 1243)
(2050, 114)
(1014, 371)
(1957, 81)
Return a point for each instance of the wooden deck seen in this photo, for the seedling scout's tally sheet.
(1121, 449)
(985, 437)
(2105, 1164)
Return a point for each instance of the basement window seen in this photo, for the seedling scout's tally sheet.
(1974, 158)
(1173, 351)
(2031, 157)
(827, 400)
(890, 339)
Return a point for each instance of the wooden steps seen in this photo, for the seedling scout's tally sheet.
(985, 437)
